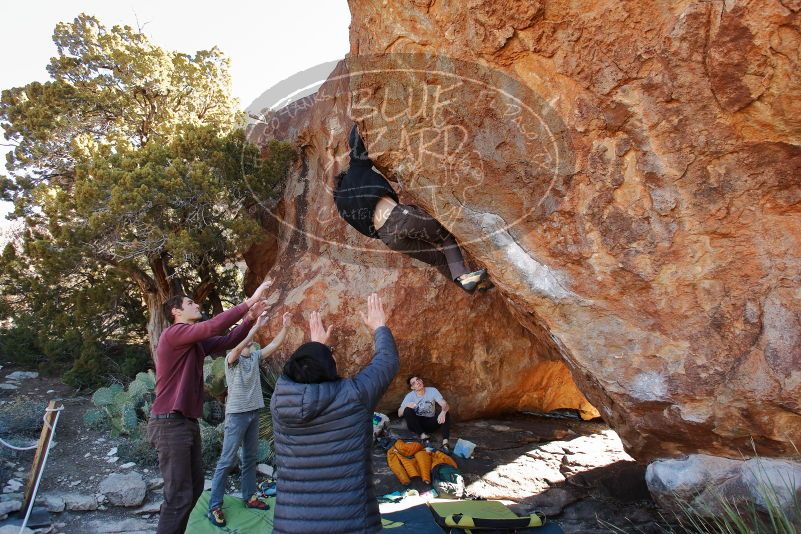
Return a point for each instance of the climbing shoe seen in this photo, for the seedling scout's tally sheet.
(217, 517)
(255, 502)
(469, 281)
(485, 285)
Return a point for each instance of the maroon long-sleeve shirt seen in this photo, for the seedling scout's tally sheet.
(179, 360)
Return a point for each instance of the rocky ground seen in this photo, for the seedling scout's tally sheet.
(574, 471)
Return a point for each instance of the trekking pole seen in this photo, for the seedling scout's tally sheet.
(46, 438)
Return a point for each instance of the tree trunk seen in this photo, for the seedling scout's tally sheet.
(163, 285)
(157, 321)
(216, 302)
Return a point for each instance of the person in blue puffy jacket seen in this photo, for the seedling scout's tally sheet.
(323, 433)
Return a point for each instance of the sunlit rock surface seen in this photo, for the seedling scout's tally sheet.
(652, 221)
(630, 175)
(471, 347)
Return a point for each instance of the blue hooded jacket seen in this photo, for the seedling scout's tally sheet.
(323, 435)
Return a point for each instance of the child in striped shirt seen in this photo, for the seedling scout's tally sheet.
(242, 407)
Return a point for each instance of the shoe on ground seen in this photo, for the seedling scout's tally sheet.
(255, 502)
(217, 517)
(469, 281)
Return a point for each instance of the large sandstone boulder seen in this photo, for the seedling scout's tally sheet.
(706, 484)
(628, 172)
(471, 346)
(665, 262)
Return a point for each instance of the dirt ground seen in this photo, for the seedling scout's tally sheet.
(574, 471)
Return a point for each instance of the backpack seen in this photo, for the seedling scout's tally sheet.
(448, 482)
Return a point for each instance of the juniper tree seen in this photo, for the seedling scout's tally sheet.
(130, 166)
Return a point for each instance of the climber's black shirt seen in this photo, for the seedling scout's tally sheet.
(359, 191)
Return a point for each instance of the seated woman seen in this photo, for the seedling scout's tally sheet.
(419, 407)
(367, 202)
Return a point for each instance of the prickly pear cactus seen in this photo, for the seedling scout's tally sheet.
(105, 396)
(128, 419)
(215, 385)
(148, 379)
(96, 418)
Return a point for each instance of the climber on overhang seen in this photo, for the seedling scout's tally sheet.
(366, 200)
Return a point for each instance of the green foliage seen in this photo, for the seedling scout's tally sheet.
(122, 408)
(96, 419)
(134, 183)
(142, 388)
(214, 377)
(104, 396)
(138, 391)
(128, 418)
(21, 417)
(211, 438)
(213, 412)
(137, 449)
(19, 343)
(148, 379)
(769, 515)
(269, 376)
(265, 451)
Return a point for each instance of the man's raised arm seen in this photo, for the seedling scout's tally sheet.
(186, 334)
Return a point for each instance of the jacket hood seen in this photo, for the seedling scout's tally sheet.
(295, 403)
(311, 363)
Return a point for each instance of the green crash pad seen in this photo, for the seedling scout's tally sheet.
(487, 510)
(239, 520)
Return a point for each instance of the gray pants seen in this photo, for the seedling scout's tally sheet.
(412, 231)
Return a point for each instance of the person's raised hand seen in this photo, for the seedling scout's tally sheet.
(286, 319)
(256, 310)
(317, 331)
(375, 317)
(260, 291)
(263, 318)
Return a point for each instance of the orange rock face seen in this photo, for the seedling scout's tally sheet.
(470, 346)
(645, 210)
(630, 175)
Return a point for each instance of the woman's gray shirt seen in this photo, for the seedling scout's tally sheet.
(323, 435)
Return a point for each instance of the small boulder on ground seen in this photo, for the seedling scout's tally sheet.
(7, 507)
(52, 502)
(22, 375)
(78, 502)
(124, 489)
(126, 526)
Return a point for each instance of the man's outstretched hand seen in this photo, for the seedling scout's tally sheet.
(256, 310)
(260, 291)
(375, 317)
(317, 331)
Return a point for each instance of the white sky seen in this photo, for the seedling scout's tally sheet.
(267, 41)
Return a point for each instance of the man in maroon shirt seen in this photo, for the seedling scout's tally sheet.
(173, 427)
